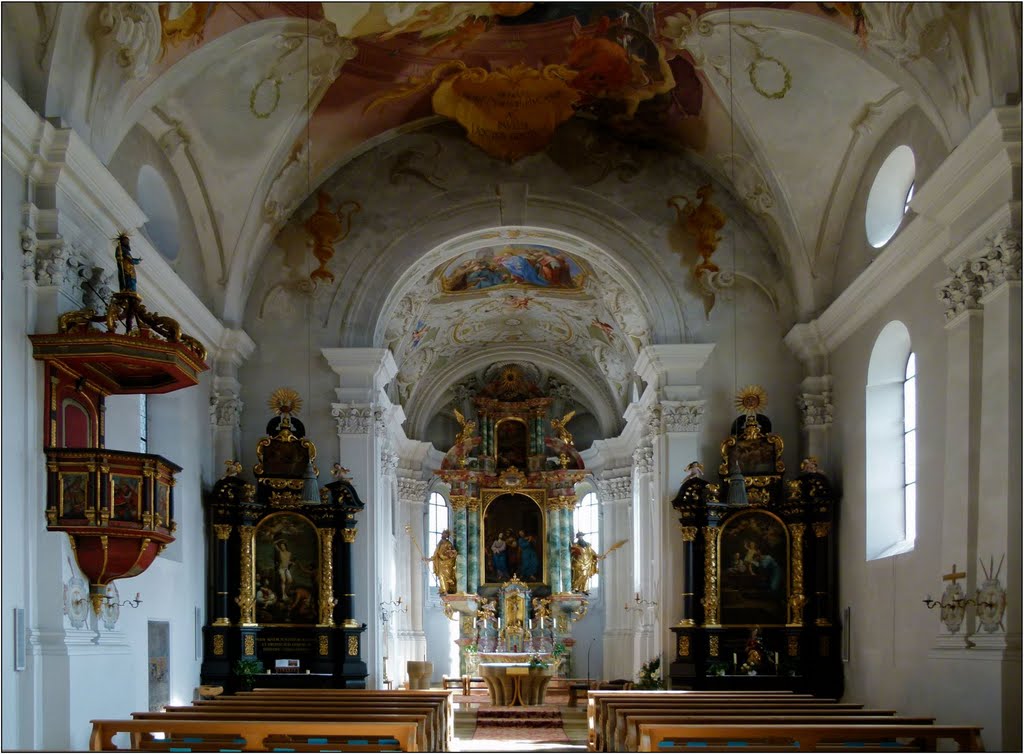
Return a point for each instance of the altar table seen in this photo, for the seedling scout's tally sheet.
(515, 684)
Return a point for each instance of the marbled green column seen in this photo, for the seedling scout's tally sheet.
(473, 548)
(554, 561)
(461, 544)
(568, 505)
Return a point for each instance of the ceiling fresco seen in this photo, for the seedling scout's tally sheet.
(611, 118)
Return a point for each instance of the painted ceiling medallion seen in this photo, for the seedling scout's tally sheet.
(751, 399)
(285, 400)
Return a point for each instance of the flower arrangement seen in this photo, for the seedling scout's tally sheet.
(247, 668)
(717, 668)
(649, 676)
(536, 662)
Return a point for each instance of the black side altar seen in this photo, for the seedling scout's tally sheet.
(759, 579)
(280, 551)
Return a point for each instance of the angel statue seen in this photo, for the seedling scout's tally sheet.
(559, 426)
(468, 429)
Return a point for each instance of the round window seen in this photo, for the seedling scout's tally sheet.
(889, 197)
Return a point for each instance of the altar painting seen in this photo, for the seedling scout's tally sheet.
(287, 563)
(512, 444)
(523, 265)
(513, 539)
(754, 567)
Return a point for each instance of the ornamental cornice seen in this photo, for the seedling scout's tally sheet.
(616, 488)
(388, 460)
(998, 262)
(815, 409)
(412, 490)
(643, 459)
(355, 419)
(226, 409)
(682, 416)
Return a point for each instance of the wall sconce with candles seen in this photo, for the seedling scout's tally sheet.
(641, 607)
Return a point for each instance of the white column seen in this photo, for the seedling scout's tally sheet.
(225, 404)
(615, 493)
(964, 354)
(411, 641)
(998, 269)
(361, 414)
(815, 397)
(670, 412)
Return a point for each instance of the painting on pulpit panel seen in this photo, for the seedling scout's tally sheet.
(513, 539)
(287, 567)
(754, 570)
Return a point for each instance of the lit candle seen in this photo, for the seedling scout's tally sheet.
(734, 659)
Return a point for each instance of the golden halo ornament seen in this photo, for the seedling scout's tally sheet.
(751, 399)
(284, 400)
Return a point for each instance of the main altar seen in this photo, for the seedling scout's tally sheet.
(513, 470)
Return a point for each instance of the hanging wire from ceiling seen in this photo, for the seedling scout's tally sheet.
(732, 181)
(310, 489)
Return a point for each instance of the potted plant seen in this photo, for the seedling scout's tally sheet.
(246, 670)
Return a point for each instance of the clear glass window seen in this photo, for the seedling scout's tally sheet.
(586, 520)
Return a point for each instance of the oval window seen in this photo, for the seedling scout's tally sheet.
(889, 197)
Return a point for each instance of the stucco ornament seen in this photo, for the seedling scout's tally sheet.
(131, 33)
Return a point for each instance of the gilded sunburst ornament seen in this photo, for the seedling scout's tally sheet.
(284, 400)
(751, 399)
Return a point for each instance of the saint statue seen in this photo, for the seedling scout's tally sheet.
(125, 264)
(584, 563)
(443, 560)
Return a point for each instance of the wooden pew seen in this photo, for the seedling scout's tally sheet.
(445, 697)
(253, 736)
(630, 741)
(597, 698)
(613, 732)
(604, 710)
(426, 738)
(789, 737)
(433, 735)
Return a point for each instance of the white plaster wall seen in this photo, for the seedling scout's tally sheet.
(20, 414)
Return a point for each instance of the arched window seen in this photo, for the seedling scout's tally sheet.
(890, 414)
(437, 520)
(585, 520)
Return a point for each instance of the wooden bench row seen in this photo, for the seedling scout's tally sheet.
(299, 720)
(663, 721)
(800, 738)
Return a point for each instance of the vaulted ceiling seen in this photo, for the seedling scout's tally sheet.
(256, 106)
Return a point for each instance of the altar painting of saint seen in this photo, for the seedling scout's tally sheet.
(513, 540)
(287, 570)
(754, 570)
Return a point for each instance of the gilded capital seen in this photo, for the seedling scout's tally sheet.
(349, 535)
(822, 528)
(689, 533)
(223, 531)
(459, 502)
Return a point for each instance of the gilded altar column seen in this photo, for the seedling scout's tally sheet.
(710, 600)
(222, 603)
(473, 545)
(797, 597)
(246, 598)
(461, 540)
(327, 598)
